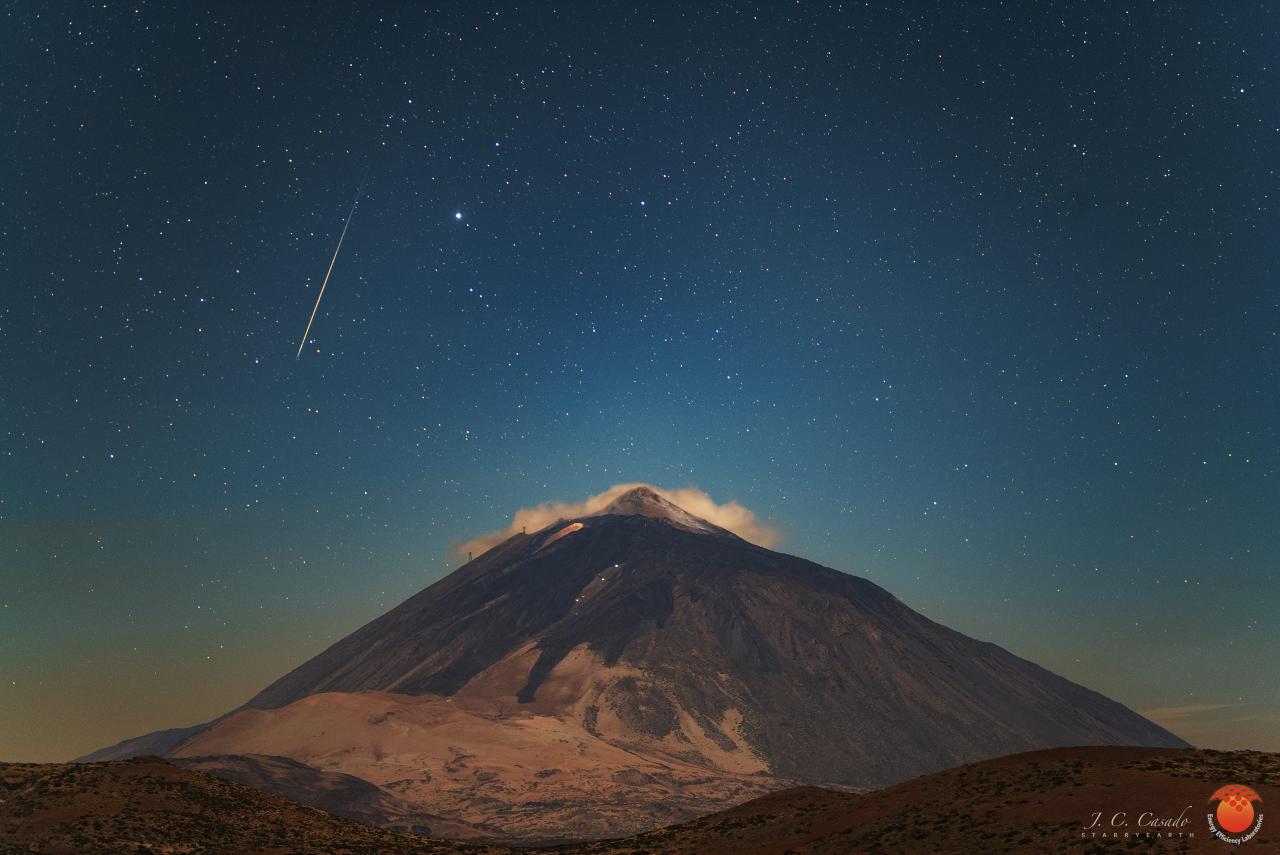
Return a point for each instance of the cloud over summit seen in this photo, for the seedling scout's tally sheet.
(730, 515)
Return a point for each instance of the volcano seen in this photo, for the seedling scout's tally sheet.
(639, 666)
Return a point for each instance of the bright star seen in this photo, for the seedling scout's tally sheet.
(457, 215)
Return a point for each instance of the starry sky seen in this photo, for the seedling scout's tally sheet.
(977, 300)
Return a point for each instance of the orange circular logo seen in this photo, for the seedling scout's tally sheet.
(1237, 813)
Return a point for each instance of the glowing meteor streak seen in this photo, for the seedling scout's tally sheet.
(329, 272)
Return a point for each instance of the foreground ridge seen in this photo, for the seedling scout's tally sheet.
(1037, 802)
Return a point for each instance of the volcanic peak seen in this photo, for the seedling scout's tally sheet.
(643, 501)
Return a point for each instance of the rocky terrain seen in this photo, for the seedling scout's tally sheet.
(1039, 802)
(150, 805)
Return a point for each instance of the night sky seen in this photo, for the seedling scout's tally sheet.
(980, 303)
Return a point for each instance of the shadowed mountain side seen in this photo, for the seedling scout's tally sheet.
(157, 743)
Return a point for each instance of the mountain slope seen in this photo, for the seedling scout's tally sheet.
(156, 743)
(494, 771)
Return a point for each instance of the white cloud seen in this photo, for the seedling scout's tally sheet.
(729, 515)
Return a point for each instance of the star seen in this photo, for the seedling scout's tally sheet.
(457, 215)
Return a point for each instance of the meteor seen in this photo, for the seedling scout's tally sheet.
(329, 272)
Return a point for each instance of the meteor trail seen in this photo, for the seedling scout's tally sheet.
(329, 272)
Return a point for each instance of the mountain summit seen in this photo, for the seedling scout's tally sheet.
(645, 502)
(642, 501)
(643, 649)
